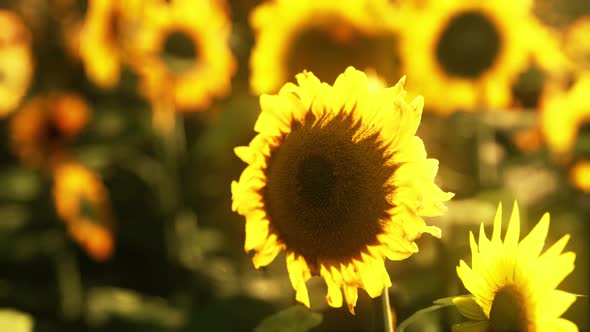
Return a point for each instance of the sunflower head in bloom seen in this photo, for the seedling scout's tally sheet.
(42, 130)
(324, 37)
(81, 201)
(337, 178)
(106, 34)
(563, 113)
(183, 55)
(513, 283)
(16, 63)
(466, 54)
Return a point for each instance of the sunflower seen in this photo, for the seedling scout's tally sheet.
(106, 34)
(322, 36)
(183, 55)
(16, 63)
(563, 113)
(512, 283)
(81, 201)
(41, 132)
(337, 178)
(577, 43)
(467, 53)
(580, 175)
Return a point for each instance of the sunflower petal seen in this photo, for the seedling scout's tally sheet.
(334, 296)
(299, 273)
(513, 232)
(497, 226)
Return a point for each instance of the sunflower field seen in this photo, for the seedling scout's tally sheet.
(294, 165)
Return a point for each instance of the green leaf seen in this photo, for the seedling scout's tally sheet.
(294, 319)
(15, 321)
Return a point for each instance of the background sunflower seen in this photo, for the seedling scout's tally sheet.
(174, 259)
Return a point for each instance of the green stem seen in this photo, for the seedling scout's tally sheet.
(387, 319)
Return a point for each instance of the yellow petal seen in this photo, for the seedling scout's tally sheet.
(497, 226)
(513, 232)
(256, 230)
(562, 325)
(553, 304)
(351, 296)
(268, 253)
(299, 273)
(533, 243)
(334, 296)
(245, 154)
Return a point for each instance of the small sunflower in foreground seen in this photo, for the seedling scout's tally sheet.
(106, 35)
(338, 179)
(16, 61)
(82, 202)
(563, 113)
(183, 55)
(43, 129)
(467, 54)
(513, 284)
(324, 37)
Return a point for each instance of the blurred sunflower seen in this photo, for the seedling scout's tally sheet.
(577, 44)
(16, 63)
(512, 283)
(106, 35)
(322, 36)
(563, 112)
(580, 175)
(466, 54)
(81, 201)
(183, 55)
(41, 132)
(338, 179)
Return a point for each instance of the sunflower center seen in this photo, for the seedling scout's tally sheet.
(328, 49)
(468, 45)
(53, 134)
(326, 191)
(508, 312)
(316, 181)
(179, 51)
(114, 27)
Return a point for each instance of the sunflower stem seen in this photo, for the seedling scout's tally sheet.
(170, 129)
(387, 319)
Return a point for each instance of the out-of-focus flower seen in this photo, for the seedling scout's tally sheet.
(41, 132)
(563, 112)
(70, 15)
(577, 43)
(322, 36)
(183, 55)
(580, 175)
(513, 284)
(466, 54)
(338, 178)
(107, 34)
(82, 202)
(16, 63)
